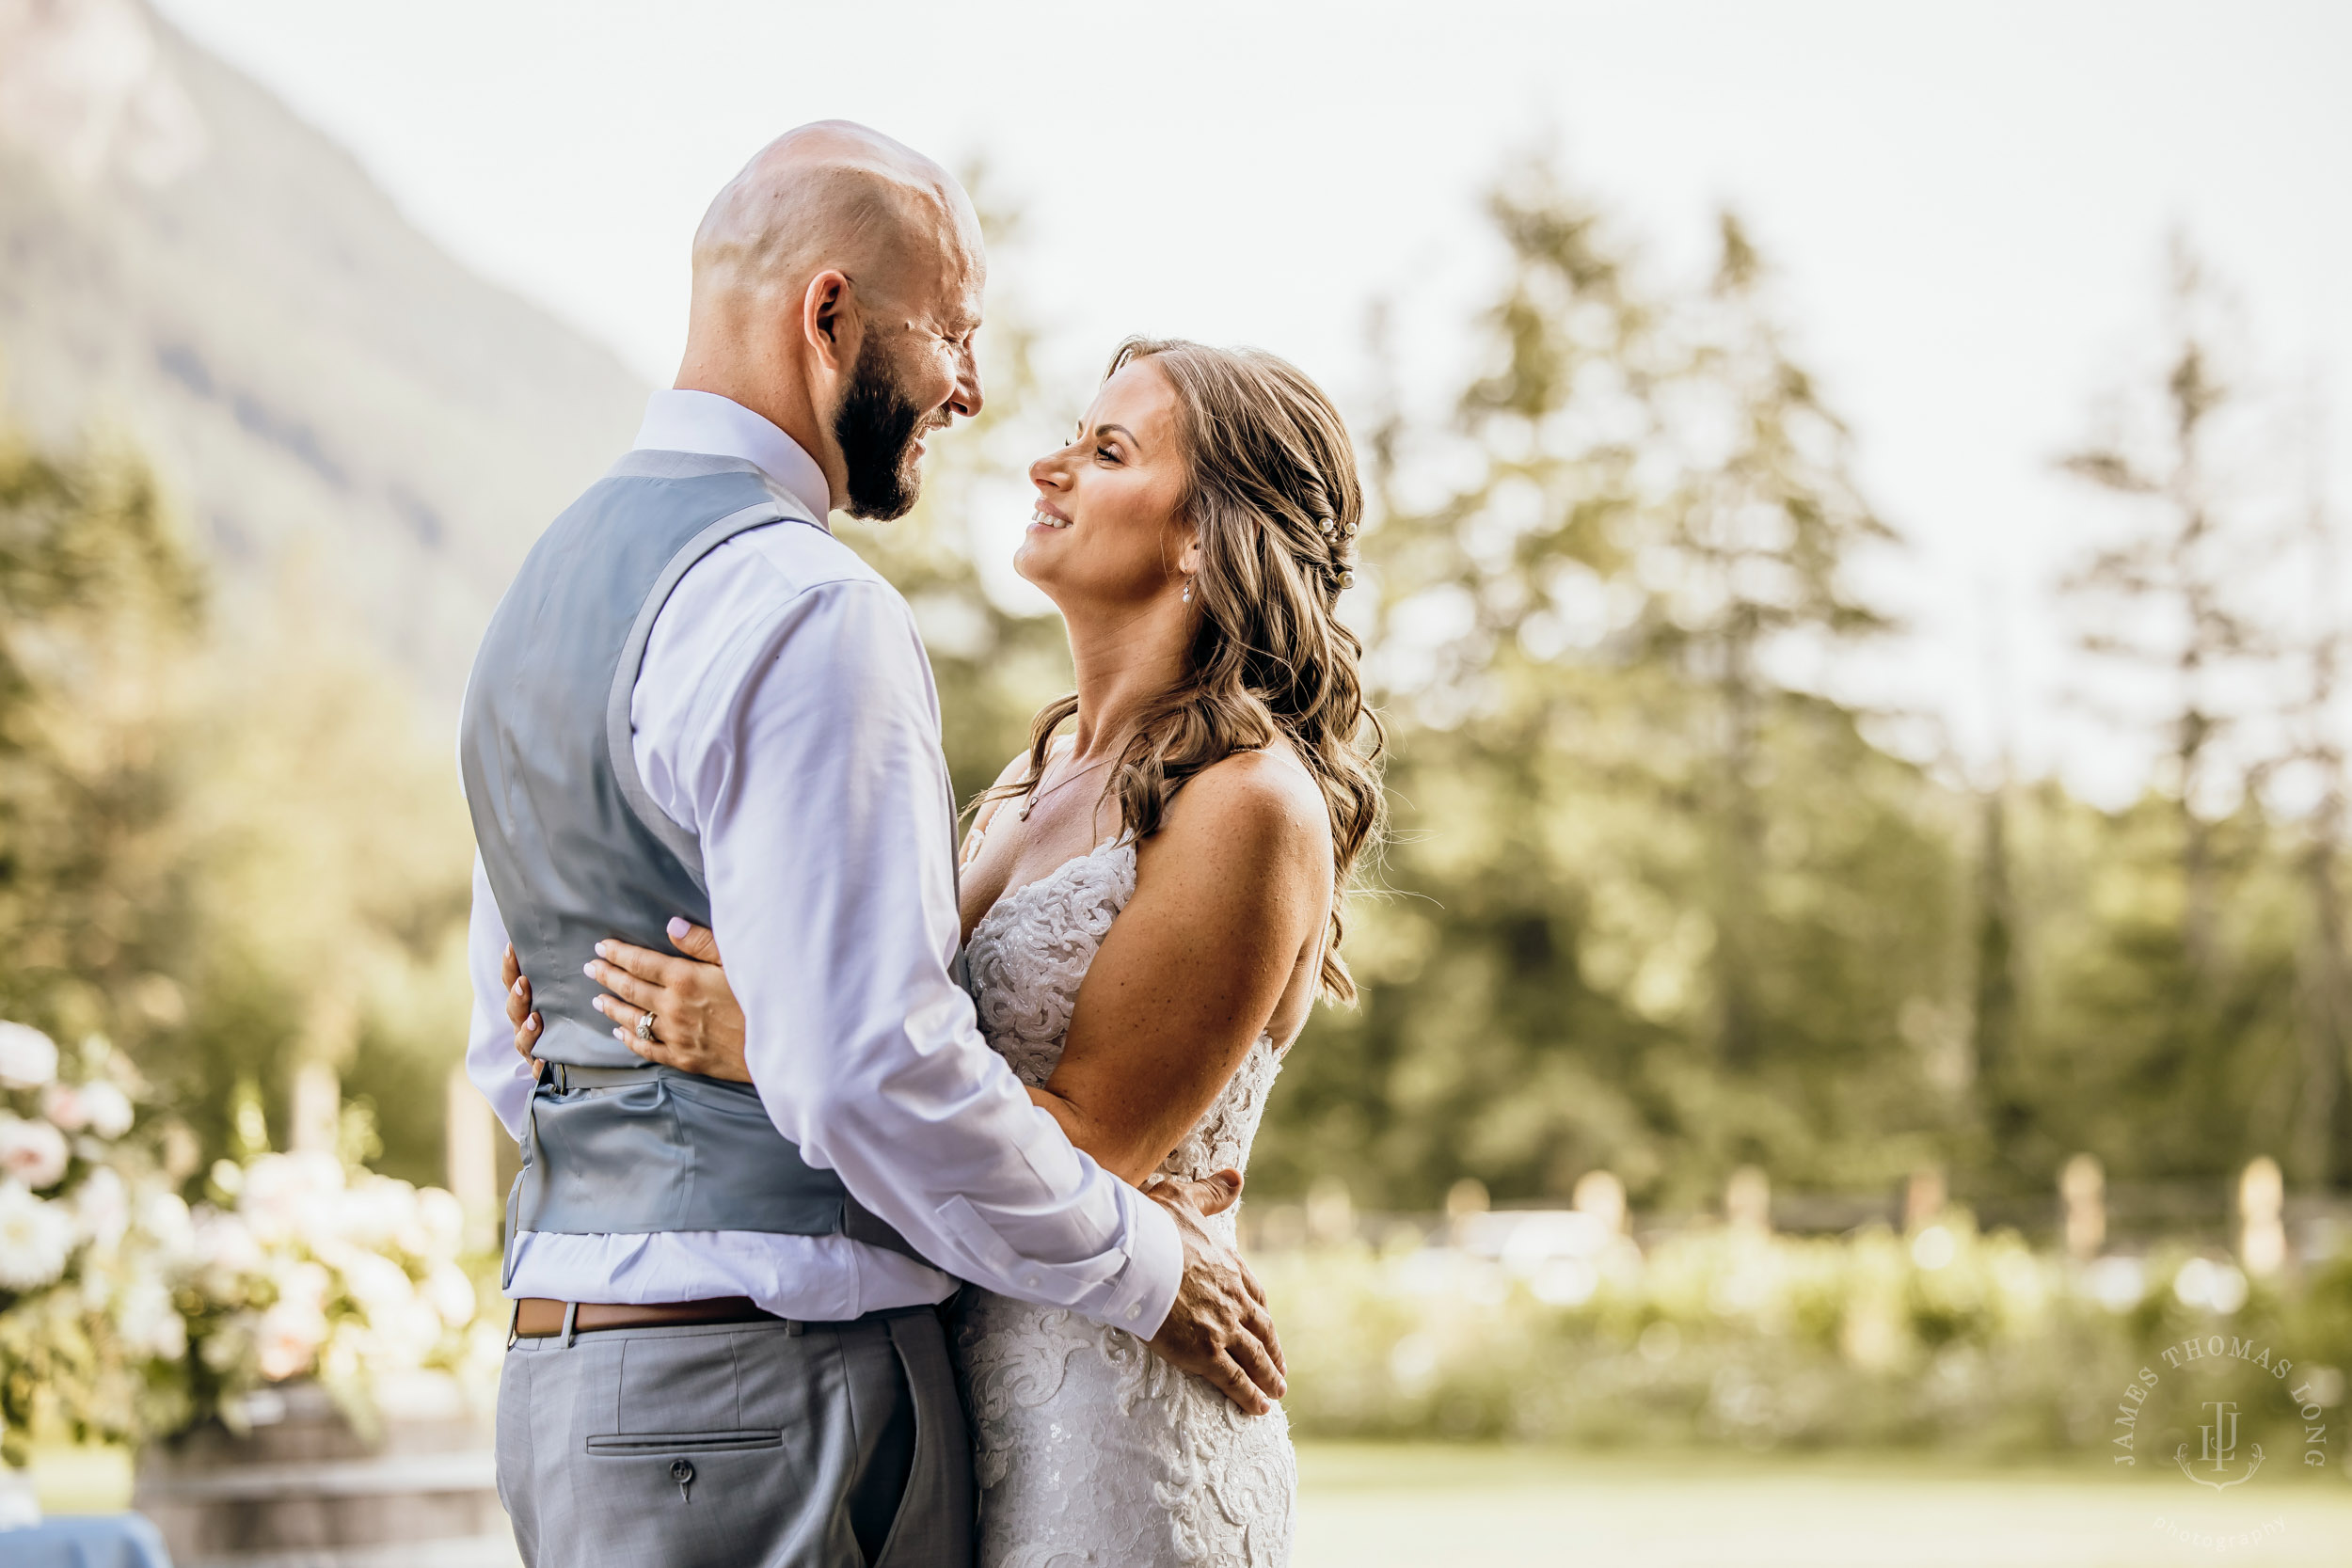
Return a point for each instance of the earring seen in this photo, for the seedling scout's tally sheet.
(1188, 599)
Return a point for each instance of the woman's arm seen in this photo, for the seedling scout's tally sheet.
(1229, 894)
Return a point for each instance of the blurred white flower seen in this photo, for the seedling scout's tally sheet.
(63, 1104)
(292, 1197)
(451, 1295)
(1566, 1282)
(380, 1285)
(407, 1332)
(349, 1354)
(28, 1058)
(163, 1219)
(226, 1243)
(376, 1212)
(305, 1285)
(290, 1335)
(108, 1109)
(97, 1287)
(2229, 1290)
(101, 1207)
(1935, 1248)
(32, 1152)
(35, 1239)
(2193, 1285)
(1537, 1239)
(2218, 1287)
(444, 1221)
(150, 1326)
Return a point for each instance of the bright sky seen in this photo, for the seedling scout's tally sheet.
(1967, 203)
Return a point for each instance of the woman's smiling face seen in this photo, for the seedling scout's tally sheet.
(1109, 529)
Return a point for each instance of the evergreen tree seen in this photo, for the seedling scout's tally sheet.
(1646, 911)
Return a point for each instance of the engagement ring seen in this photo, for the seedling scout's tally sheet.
(644, 1026)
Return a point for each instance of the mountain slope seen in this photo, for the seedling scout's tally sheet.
(339, 404)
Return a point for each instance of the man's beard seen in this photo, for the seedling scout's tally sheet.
(877, 426)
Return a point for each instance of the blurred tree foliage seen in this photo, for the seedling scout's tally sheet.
(1660, 900)
(98, 612)
(229, 848)
(1661, 904)
(1662, 897)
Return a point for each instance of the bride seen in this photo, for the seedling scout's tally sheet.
(1150, 906)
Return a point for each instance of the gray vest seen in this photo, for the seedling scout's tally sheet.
(577, 851)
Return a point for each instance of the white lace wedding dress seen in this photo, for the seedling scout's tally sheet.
(1091, 1450)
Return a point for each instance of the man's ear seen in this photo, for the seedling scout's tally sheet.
(829, 320)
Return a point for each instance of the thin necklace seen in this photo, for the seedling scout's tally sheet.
(1030, 804)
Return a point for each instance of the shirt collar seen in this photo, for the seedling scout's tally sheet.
(715, 426)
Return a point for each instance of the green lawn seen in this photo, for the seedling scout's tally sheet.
(1377, 1505)
(1367, 1505)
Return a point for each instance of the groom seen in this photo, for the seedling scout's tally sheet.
(693, 701)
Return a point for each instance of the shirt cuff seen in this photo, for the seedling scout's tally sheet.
(1146, 1287)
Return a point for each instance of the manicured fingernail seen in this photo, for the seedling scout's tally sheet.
(518, 988)
(531, 1024)
(604, 950)
(589, 970)
(678, 928)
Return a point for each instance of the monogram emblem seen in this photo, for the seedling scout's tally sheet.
(2217, 1448)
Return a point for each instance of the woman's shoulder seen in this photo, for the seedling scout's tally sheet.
(1265, 798)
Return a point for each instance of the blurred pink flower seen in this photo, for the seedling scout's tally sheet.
(33, 1152)
(62, 1103)
(291, 1333)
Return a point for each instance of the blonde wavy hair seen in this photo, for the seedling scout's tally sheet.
(1274, 496)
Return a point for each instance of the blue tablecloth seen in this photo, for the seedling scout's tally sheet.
(85, 1541)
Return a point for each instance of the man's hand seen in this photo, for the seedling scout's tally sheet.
(1218, 1327)
(519, 1011)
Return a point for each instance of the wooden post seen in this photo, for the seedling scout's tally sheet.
(2262, 1223)
(1923, 1198)
(1599, 1194)
(2083, 1186)
(318, 1107)
(1330, 1212)
(1748, 1201)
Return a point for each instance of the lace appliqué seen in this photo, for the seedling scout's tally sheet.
(1090, 1449)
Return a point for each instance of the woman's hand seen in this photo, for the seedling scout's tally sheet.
(697, 1026)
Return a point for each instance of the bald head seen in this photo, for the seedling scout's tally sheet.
(834, 194)
(837, 284)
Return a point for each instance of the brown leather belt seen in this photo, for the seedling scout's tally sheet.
(536, 1318)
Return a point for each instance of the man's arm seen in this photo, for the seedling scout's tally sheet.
(503, 1076)
(813, 775)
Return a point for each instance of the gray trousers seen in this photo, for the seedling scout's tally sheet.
(735, 1445)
